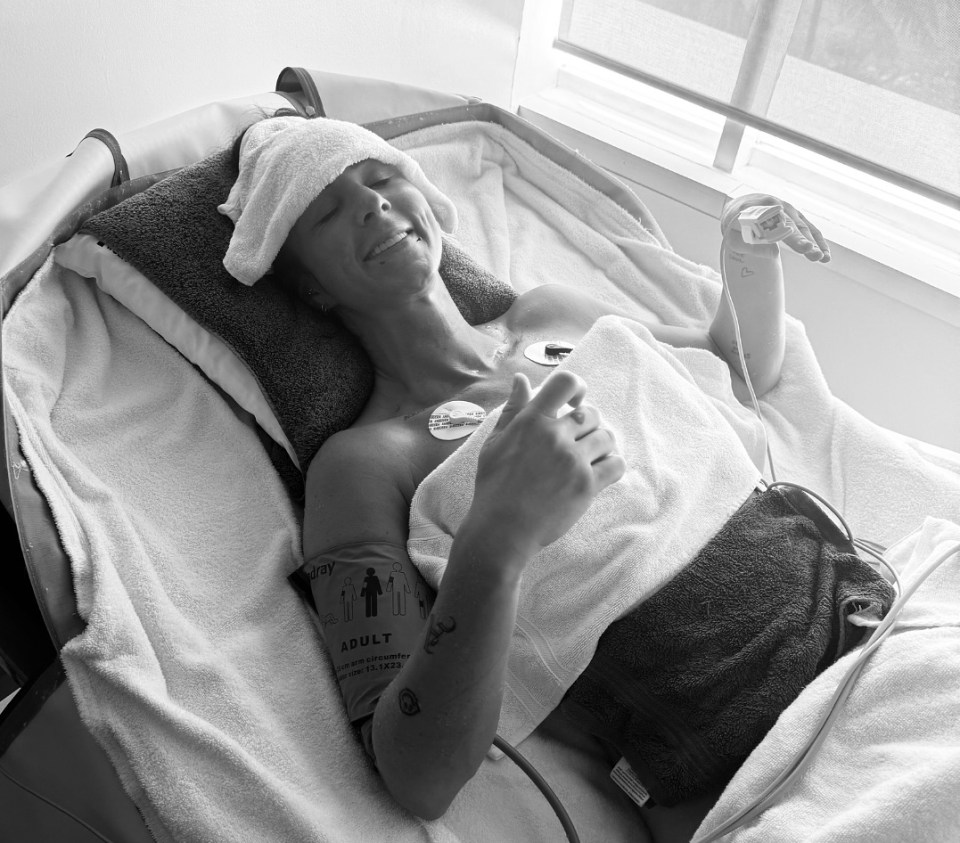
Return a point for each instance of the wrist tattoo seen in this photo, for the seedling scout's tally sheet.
(437, 629)
(409, 704)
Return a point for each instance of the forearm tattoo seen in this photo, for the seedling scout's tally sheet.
(436, 629)
(409, 704)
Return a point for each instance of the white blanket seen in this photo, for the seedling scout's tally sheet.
(199, 671)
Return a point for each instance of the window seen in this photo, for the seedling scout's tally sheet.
(858, 100)
(873, 83)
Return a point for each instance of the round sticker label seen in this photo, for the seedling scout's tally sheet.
(548, 352)
(455, 420)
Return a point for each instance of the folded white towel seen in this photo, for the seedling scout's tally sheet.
(688, 472)
(285, 163)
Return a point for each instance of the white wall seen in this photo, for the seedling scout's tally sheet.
(68, 66)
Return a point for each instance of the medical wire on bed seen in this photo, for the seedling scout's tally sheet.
(743, 363)
(510, 751)
(795, 767)
(66, 811)
(868, 547)
(514, 755)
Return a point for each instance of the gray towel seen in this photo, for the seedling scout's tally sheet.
(314, 373)
(686, 685)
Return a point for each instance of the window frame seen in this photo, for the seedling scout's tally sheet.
(903, 229)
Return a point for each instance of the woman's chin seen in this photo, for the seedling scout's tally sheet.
(412, 257)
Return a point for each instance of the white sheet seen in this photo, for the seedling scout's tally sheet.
(199, 671)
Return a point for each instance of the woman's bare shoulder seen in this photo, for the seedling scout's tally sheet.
(549, 293)
(353, 489)
(550, 302)
(351, 444)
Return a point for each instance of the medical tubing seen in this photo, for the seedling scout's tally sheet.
(56, 806)
(511, 752)
(871, 548)
(802, 758)
(726, 231)
(747, 250)
(787, 484)
(514, 755)
(868, 547)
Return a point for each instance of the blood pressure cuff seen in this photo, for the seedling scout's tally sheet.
(372, 604)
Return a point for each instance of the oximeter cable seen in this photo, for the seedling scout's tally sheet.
(743, 361)
(514, 755)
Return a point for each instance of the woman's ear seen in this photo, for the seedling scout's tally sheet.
(300, 281)
(309, 290)
(316, 297)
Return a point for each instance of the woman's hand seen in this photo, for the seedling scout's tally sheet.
(537, 472)
(805, 238)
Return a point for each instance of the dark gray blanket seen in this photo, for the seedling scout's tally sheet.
(686, 685)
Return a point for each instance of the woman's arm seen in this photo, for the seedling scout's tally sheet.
(437, 719)
(753, 281)
(537, 475)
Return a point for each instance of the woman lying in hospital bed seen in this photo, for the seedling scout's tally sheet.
(607, 521)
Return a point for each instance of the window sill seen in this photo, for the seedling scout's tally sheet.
(902, 248)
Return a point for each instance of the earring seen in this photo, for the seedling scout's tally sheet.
(311, 293)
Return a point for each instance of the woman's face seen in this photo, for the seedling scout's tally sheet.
(368, 238)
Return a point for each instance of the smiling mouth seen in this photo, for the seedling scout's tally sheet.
(388, 243)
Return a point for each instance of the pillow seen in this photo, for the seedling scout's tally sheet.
(297, 371)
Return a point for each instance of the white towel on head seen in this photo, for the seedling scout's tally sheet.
(285, 163)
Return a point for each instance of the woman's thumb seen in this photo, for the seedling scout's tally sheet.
(520, 396)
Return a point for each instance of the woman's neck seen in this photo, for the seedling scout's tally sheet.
(425, 351)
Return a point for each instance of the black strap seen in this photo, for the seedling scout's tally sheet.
(121, 172)
(34, 693)
(298, 81)
(44, 557)
(295, 103)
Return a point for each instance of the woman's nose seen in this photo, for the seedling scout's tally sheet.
(372, 204)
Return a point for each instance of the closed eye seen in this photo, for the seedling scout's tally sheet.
(326, 217)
